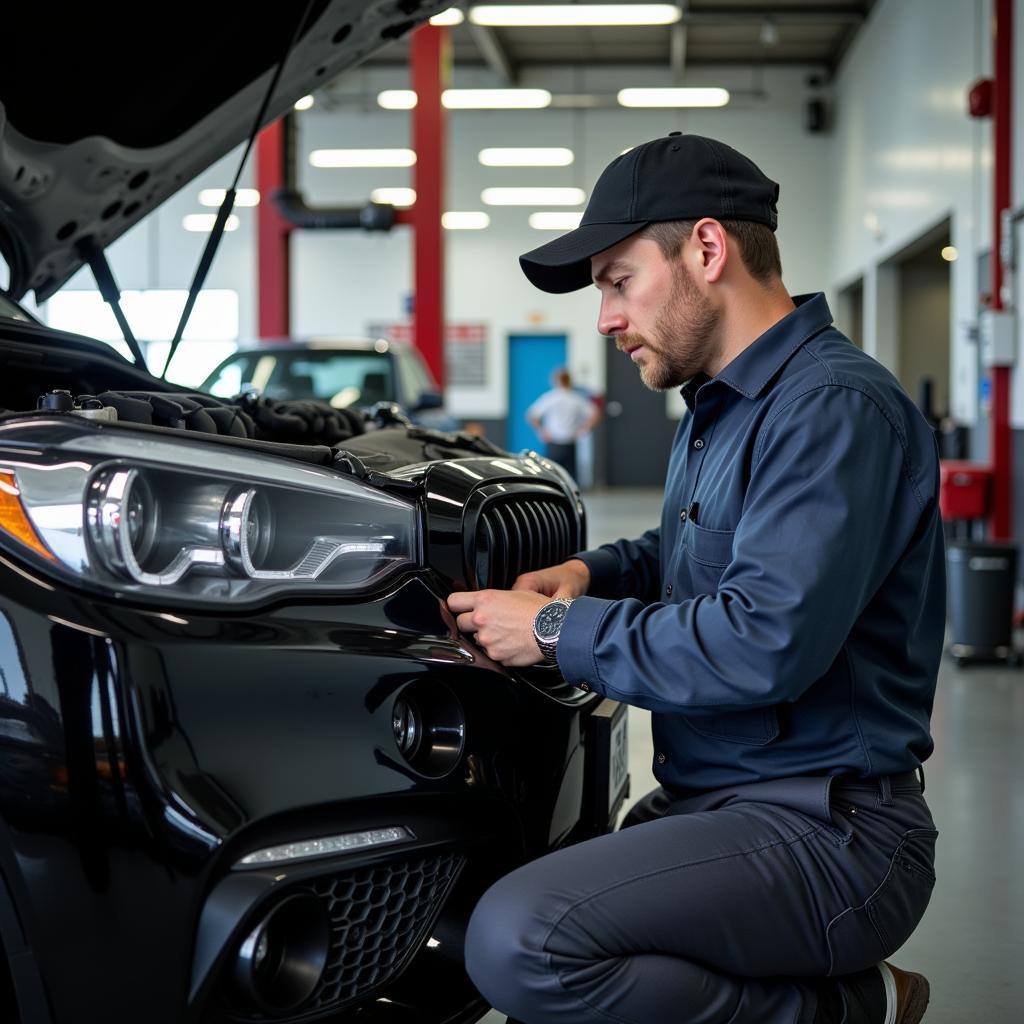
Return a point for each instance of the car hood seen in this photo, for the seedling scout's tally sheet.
(107, 111)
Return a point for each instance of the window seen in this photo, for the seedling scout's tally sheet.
(342, 378)
(414, 377)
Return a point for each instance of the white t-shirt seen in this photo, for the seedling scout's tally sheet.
(561, 412)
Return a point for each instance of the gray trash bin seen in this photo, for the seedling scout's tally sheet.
(981, 578)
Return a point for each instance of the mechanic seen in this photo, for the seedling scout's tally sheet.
(783, 624)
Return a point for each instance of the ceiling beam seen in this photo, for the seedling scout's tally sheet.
(637, 62)
(493, 53)
(847, 14)
(677, 47)
(677, 53)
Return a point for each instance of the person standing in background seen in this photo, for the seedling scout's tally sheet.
(561, 417)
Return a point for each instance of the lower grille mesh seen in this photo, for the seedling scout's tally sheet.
(377, 915)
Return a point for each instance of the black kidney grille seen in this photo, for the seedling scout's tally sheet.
(517, 535)
(378, 915)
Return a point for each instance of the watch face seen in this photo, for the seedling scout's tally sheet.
(548, 623)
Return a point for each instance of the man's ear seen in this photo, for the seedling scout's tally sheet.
(712, 248)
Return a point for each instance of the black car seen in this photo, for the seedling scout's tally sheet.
(345, 372)
(249, 769)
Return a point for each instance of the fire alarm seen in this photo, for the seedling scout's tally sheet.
(979, 98)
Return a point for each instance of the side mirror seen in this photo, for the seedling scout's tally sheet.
(430, 400)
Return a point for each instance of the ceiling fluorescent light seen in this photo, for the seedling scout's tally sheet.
(205, 222)
(526, 157)
(215, 196)
(304, 104)
(397, 99)
(506, 15)
(453, 16)
(673, 97)
(362, 158)
(555, 220)
(464, 220)
(533, 196)
(394, 196)
(495, 99)
(470, 99)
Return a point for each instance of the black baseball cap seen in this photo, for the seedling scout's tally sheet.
(679, 177)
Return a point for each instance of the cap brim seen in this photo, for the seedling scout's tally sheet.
(564, 264)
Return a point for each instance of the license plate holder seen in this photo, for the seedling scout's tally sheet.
(608, 745)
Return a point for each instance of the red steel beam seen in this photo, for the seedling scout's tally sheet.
(430, 70)
(273, 261)
(1002, 129)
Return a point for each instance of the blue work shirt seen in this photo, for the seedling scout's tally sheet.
(787, 617)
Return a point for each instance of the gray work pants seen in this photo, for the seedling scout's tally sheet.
(725, 907)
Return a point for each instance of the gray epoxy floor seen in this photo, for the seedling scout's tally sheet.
(971, 942)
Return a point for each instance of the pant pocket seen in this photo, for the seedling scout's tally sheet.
(861, 936)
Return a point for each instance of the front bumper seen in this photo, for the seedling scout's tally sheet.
(145, 753)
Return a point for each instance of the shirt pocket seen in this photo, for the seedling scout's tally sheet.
(707, 552)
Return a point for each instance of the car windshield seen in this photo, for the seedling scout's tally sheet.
(339, 377)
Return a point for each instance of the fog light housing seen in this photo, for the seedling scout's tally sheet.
(429, 726)
(280, 962)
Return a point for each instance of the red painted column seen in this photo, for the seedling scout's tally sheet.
(430, 71)
(1001, 435)
(272, 230)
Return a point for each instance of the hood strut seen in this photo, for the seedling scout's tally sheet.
(104, 276)
(229, 196)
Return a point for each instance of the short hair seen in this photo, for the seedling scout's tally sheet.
(758, 246)
(562, 378)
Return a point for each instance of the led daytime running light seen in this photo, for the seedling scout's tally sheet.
(325, 846)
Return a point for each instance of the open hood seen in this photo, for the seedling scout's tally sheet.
(107, 110)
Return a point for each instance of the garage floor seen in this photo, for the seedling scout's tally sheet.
(971, 942)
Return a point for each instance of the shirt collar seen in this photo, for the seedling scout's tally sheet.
(750, 372)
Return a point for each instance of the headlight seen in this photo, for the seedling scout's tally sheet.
(192, 522)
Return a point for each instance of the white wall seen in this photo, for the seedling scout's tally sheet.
(906, 156)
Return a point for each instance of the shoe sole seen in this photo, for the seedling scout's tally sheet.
(918, 994)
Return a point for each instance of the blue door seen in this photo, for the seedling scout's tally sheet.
(532, 358)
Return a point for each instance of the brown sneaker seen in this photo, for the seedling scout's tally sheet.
(906, 995)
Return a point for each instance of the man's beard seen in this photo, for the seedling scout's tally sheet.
(682, 340)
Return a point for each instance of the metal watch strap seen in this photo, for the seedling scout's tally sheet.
(549, 647)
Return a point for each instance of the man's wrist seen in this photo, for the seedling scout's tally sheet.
(547, 627)
(581, 571)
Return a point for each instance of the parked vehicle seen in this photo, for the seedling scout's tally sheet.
(249, 769)
(347, 373)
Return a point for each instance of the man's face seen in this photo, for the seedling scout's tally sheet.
(656, 312)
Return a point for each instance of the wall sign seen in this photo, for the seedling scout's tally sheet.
(465, 349)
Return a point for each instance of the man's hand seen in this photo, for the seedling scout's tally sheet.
(502, 621)
(568, 579)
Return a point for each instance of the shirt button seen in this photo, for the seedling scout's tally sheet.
(668, 590)
(699, 443)
(682, 515)
(661, 759)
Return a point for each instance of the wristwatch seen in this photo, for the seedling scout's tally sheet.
(547, 626)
